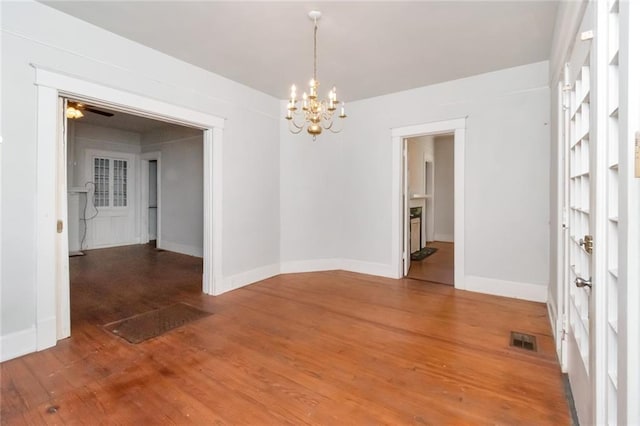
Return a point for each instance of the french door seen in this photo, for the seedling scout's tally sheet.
(580, 156)
(591, 203)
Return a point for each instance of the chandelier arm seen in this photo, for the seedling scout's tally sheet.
(295, 130)
(330, 127)
(293, 122)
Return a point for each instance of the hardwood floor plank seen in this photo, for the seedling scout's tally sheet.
(436, 268)
(330, 347)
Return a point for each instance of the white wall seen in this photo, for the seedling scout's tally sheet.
(33, 33)
(419, 150)
(181, 188)
(89, 136)
(82, 138)
(443, 191)
(310, 191)
(506, 175)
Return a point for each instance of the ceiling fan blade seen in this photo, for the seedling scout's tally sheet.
(97, 111)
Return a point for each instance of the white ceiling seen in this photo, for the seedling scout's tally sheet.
(365, 48)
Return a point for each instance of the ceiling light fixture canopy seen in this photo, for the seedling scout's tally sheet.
(316, 114)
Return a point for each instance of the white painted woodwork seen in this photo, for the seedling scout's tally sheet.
(628, 225)
(406, 244)
(611, 24)
(53, 311)
(580, 189)
(111, 225)
(400, 205)
(63, 328)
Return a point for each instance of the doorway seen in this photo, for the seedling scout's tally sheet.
(113, 163)
(431, 208)
(52, 276)
(401, 210)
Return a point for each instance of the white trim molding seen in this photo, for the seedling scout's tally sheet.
(457, 127)
(52, 85)
(243, 279)
(19, 343)
(369, 268)
(513, 289)
(182, 248)
(314, 265)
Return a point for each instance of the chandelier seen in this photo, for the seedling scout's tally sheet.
(315, 114)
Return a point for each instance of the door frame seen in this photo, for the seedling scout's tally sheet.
(52, 296)
(398, 210)
(145, 158)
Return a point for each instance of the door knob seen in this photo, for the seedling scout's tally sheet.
(581, 282)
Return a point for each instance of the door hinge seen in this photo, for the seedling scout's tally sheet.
(59, 227)
(587, 243)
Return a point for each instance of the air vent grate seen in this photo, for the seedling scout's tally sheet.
(524, 341)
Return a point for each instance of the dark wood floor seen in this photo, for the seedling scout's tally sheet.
(316, 348)
(436, 268)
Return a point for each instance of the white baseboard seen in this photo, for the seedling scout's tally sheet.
(445, 238)
(242, 279)
(17, 344)
(181, 248)
(47, 333)
(310, 265)
(514, 289)
(370, 268)
(553, 316)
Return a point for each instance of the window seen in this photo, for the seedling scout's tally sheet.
(110, 180)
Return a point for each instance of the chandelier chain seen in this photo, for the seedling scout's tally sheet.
(315, 49)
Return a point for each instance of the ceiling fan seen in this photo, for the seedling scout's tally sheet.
(75, 110)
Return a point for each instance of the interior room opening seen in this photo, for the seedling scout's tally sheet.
(430, 174)
(134, 197)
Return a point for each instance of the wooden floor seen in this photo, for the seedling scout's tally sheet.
(437, 268)
(316, 348)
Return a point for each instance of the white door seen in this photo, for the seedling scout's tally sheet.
(111, 217)
(62, 237)
(405, 210)
(581, 220)
(591, 126)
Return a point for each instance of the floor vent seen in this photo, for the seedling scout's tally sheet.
(524, 341)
